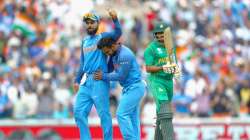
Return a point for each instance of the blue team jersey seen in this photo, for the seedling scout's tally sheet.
(126, 69)
(92, 58)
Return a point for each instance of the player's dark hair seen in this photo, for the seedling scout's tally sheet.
(105, 42)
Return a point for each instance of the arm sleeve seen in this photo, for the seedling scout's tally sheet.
(80, 69)
(121, 72)
(148, 57)
(116, 33)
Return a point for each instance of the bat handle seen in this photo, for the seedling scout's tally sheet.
(171, 59)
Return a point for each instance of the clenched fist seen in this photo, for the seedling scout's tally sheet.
(112, 13)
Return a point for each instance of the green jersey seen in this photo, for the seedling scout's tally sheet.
(160, 83)
(156, 55)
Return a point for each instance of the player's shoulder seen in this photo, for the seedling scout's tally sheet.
(91, 39)
(126, 49)
(126, 52)
(154, 44)
(85, 39)
(94, 38)
(150, 47)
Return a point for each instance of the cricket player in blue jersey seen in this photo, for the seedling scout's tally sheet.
(124, 68)
(93, 92)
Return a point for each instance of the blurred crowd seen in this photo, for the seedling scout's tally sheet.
(40, 49)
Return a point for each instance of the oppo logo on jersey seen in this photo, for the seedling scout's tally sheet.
(163, 60)
(89, 49)
(121, 63)
(124, 62)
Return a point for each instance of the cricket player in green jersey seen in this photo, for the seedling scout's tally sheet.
(160, 82)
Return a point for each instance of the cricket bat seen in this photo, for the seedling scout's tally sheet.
(168, 43)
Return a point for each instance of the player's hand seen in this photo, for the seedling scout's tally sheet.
(177, 73)
(169, 68)
(98, 75)
(75, 87)
(112, 13)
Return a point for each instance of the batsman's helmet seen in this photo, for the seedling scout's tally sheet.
(159, 27)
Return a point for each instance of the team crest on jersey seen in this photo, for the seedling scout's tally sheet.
(160, 89)
(159, 50)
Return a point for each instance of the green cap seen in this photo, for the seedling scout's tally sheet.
(159, 27)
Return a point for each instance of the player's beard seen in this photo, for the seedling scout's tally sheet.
(160, 40)
(91, 31)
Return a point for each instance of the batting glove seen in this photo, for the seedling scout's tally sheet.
(177, 73)
(169, 68)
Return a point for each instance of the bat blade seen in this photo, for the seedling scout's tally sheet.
(168, 43)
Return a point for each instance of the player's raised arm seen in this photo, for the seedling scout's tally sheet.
(117, 30)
